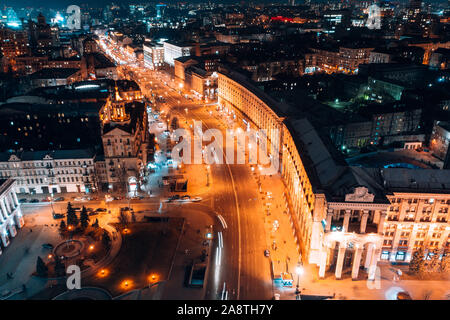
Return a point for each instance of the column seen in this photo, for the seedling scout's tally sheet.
(4, 238)
(4, 211)
(346, 220)
(12, 229)
(411, 240)
(395, 240)
(323, 261)
(362, 226)
(356, 262)
(12, 202)
(340, 260)
(14, 195)
(368, 255)
(373, 263)
(8, 208)
(329, 216)
(381, 222)
(19, 218)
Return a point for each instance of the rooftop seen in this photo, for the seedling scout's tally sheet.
(54, 73)
(40, 155)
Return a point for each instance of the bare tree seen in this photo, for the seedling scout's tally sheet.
(124, 219)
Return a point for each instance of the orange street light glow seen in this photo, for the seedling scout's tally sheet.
(153, 277)
(103, 273)
(91, 247)
(126, 284)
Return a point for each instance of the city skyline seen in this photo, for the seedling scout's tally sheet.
(225, 151)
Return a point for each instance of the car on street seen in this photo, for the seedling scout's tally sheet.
(46, 200)
(34, 200)
(172, 198)
(196, 199)
(23, 200)
(266, 253)
(403, 296)
(92, 213)
(59, 199)
(47, 246)
(101, 210)
(58, 216)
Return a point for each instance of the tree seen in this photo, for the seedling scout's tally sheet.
(95, 224)
(72, 218)
(445, 263)
(417, 264)
(62, 226)
(84, 218)
(60, 269)
(124, 219)
(41, 268)
(106, 240)
(434, 264)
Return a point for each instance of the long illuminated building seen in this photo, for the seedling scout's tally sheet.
(343, 217)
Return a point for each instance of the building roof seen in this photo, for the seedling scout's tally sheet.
(54, 73)
(326, 167)
(444, 125)
(55, 154)
(5, 184)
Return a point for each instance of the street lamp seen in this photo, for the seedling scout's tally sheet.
(51, 203)
(299, 271)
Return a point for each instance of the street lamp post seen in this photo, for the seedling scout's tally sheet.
(51, 203)
(299, 271)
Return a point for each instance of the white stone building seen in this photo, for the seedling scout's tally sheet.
(153, 55)
(49, 171)
(10, 214)
(176, 50)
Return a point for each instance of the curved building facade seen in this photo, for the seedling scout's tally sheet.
(341, 215)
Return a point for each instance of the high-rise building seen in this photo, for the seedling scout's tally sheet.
(160, 8)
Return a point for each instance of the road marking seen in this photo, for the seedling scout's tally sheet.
(222, 220)
(239, 231)
(220, 239)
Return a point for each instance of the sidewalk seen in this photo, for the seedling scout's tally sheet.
(281, 242)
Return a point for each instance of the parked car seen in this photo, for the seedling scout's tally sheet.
(47, 246)
(266, 253)
(92, 213)
(196, 199)
(403, 296)
(175, 197)
(59, 199)
(101, 210)
(58, 216)
(23, 200)
(46, 200)
(34, 200)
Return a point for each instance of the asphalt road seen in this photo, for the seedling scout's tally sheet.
(241, 268)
